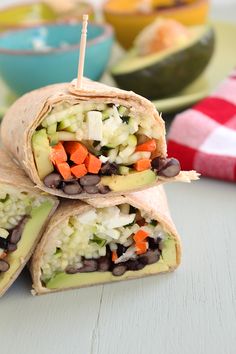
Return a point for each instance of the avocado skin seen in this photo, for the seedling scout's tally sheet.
(172, 73)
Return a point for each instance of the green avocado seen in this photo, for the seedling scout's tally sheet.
(166, 73)
(169, 252)
(31, 231)
(132, 181)
(64, 281)
(41, 150)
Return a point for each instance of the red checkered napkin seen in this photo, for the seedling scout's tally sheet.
(203, 138)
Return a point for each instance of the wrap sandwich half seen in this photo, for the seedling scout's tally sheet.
(99, 140)
(24, 211)
(111, 239)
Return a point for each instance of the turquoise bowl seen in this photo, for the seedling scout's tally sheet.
(43, 55)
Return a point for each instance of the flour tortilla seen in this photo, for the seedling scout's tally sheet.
(152, 201)
(12, 175)
(26, 114)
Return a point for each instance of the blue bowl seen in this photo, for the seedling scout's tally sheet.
(43, 55)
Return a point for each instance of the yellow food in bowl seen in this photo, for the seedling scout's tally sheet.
(128, 20)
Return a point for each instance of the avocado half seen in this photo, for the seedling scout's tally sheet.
(164, 74)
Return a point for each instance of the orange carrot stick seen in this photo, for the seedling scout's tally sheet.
(58, 154)
(140, 236)
(64, 170)
(78, 152)
(149, 146)
(141, 247)
(114, 256)
(92, 163)
(79, 170)
(142, 165)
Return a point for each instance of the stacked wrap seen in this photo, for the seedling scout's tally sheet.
(26, 114)
(152, 201)
(14, 178)
(18, 127)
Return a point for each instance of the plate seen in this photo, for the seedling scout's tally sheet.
(222, 63)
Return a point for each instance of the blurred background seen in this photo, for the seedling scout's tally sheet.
(98, 3)
(134, 49)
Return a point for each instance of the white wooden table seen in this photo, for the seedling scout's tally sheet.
(191, 311)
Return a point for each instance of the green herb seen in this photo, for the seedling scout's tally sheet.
(58, 253)
(5, 199)
(105, 149)
(96, 143)
(125, 119)
(131, 224)
(153, 223)
(99, 241)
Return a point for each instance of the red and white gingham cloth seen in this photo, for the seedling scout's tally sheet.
(203, 138)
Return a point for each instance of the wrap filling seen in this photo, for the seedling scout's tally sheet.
(97, 148)
(21, 216)
(113, 239)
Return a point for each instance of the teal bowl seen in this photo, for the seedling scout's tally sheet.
(38, 56)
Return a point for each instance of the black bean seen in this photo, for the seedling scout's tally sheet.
(109, 169)
(62, 185)
(16, 233)
(104, 264)
(134, 265)
(11, 247)
(89, 265)
(91, 189)
(90, 180)
(119, 270)
(4, 266)
(153, 243)
(120, 249)
(103, 189)
(150, 257)
(171, 169)
(3, 243)
(158, 163)
(72, 270)
(72, 188)
(53, 180)
(108, 252)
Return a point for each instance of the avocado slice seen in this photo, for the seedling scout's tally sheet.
(41, 150)
(165, 73)
(132, 181)
(169, 252)
(31, 231)
(65, 281)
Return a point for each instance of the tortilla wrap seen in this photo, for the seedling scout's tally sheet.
(28, 112)
(13, 177)
(152, 201)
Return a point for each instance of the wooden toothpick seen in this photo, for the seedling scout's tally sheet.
(82, 52)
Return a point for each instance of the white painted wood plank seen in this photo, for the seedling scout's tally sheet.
(57, 323)
(192, 310)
